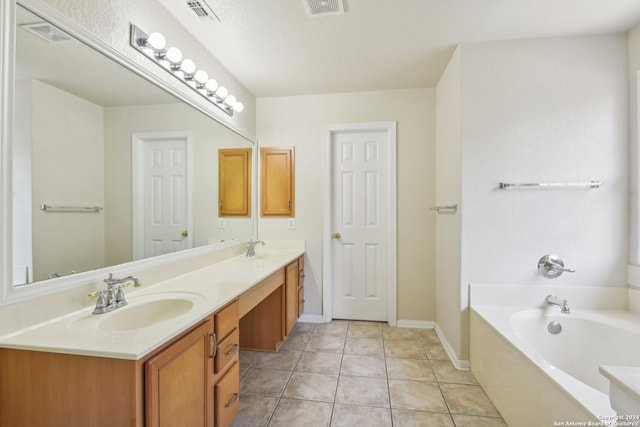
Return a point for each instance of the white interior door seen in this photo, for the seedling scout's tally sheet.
(162, 194)
(362, 224)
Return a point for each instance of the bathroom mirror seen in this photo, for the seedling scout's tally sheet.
(79, 120)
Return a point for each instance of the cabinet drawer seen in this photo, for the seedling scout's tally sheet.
(228, 350)
(227, 396)
(226, 320)
(300, 300)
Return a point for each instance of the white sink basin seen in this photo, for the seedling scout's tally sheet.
(145, 314)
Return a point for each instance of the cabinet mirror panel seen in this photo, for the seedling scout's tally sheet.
(107, 167)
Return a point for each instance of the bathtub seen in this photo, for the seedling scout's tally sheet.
(536, 378)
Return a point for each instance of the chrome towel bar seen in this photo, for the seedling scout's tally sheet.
(590, 184)
(61, 208)
(446, 208)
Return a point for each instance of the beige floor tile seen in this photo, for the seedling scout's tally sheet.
(367, 323)
(364, 331)
(436, 351)
(247, 357)
(324, 363)
(405, 349)
(447, 373)
(471, 421)
(311, 386)
(254, 411)
(364, 346)
(301, 328)
(410, 369)
(466, 399)
(389, 333)
(363, 391)
(429, 336)
(291, 412)
(282, 359)
(266, 382)
(325, 343)
(363, 366)
(405, 418)
(354, 416)
(335, 328)
(295, 342)
(421, 396)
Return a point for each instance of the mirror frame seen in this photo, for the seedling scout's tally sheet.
(8, 293)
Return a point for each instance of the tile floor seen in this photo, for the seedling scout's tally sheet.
(347, 373)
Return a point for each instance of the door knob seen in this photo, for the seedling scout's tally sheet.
(185, 233)
(336, 236)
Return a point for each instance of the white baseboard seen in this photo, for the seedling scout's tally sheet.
(311, 318)
(460, 364)
(417, 324)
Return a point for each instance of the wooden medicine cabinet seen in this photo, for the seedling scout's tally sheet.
(234, 182)
(277, 181)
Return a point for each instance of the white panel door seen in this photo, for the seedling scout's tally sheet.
(360, 191)
(166, 212)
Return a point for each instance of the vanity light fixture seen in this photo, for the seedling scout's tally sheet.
(153, 47)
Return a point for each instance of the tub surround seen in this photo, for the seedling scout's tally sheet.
(624, 391)
(511, 371)
(210, 288)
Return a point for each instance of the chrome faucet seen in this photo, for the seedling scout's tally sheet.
(563, 304)
(552, 266)
(251, 249)
(113, 297)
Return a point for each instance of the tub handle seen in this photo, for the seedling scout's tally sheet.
(552, 266)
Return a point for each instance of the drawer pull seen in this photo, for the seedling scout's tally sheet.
(232, 401)
(215, 345)
(233, 350)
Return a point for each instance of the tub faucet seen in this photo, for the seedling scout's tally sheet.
(251, 249)
(563, 304)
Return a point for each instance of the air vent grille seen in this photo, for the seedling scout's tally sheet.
(202, 10)
(47, 32)
(323, 7)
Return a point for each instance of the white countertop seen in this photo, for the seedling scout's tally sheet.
(209, 289)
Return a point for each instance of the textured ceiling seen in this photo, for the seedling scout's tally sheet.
(275, 49)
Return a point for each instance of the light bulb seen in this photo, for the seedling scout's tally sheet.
(156, 41)
(173, 55)
(201, 77)
(188, 67)
(211, 86)
(222, 92)
(230, 100)
(238, 107)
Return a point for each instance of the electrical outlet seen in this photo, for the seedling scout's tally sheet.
(291, 224)
(221, 223)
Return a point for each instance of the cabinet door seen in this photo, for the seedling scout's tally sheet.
(291, 296)
(277, 181)
(234, 182)
(177, 382)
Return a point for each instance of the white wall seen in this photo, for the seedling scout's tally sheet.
(634, 68)
(68, 169)
(300, 122)
(546, 110)
(448, 191)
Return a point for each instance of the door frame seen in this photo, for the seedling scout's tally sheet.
(138, 139)
(327, 284)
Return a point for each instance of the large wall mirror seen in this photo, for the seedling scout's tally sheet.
(90, 133)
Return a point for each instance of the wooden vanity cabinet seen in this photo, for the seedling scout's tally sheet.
(294, 293)
(300, 286)
(226, 369)
(277, 181)
(177, 381)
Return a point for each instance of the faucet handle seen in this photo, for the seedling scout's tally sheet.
(552, 266)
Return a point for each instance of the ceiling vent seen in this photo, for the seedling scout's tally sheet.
(47, 32)
(202, 10)
(324, 7)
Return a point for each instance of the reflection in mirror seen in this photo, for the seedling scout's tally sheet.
(80, 119)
